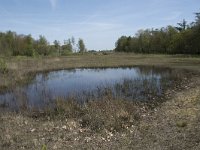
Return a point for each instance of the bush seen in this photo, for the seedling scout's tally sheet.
(3, 66)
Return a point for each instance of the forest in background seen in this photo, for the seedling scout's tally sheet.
(182, 39)
(13, 44)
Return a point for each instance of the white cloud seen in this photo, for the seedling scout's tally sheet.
(53, 3)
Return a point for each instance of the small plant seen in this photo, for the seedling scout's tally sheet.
(105, 53)
(3, 66)
(181, 124)
(44, 147)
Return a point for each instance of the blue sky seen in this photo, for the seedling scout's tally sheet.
(99, 22)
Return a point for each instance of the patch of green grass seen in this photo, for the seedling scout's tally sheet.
(44, 147)
(181, 124)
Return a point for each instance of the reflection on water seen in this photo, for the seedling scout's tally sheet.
(136, 83)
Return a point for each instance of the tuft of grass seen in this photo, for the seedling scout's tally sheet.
(44, 147)
(109, 113)
(181, 124)
(60, 108)
(68, 108)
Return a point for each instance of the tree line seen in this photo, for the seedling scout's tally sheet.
(13, 44)
(182, 39)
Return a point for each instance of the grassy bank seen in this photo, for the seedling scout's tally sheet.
(110, 123)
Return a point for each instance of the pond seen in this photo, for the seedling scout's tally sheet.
(128, 83)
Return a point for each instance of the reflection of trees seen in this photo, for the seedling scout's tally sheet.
(138, 89)
(153, 71)
(54, 74)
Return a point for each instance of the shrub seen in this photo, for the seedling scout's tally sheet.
(3, 66)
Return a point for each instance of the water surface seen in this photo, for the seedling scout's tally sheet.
(135, 83)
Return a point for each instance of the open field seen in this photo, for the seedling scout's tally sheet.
(108, 124)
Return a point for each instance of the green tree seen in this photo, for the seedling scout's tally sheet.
(81, 46)
(182, 25)
(28, 48)
(121, 44)
(57, 47)
(197, 20)
(67, 48)
(42, 46)
(73, 42)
